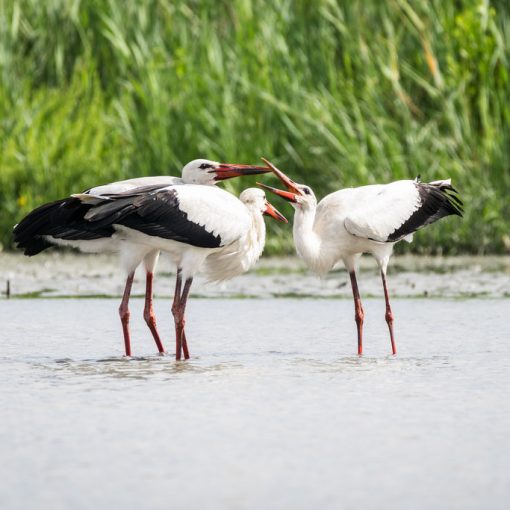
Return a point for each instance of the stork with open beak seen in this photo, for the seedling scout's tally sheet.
(191, 223)
(368, 219)
(62, 223)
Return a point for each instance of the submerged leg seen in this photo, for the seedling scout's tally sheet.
(184, 301)
(178, 309)
(389, 313)
(175, 310)
(185, 350)
(149, 315)
(124, 313)
(359, 314)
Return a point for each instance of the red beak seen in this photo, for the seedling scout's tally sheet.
(274, 213)
(287, 195)
(227, 171)
(287, 181)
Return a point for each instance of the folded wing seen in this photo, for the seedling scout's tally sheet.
(201, 216)
(395, 211)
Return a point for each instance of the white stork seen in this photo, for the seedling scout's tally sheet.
(193, 224)
(369, 219)
(61, 223)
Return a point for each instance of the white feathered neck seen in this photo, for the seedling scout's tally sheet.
(240, 256)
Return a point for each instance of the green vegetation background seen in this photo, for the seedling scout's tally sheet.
(336, 92)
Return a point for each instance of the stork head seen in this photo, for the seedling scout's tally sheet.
(300, 196)
(255, 200)
(203, 171)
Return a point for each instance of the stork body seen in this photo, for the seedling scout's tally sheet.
(191, 224)
(197, 226)
(62, 223)
(369, 219)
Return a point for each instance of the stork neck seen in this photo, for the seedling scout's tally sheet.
(250, 248)
(308, 243)
(239, 257)
(258, 235)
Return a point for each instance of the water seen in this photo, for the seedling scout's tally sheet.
(273, 411)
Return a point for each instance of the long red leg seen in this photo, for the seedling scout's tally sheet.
(178, 309)
(389, 313)
(359, 314)
(184, 345)
(175, 312)
(124, 313)
(183, 302)
(149, 315)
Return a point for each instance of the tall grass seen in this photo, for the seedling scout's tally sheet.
(337, 93)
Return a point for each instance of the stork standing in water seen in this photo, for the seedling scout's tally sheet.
(61, 223)
(193, 224)
(369, 219)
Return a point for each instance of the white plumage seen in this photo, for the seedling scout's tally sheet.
(368, 219)
(193, 224)
(74, 222)
(374, 212)
(115, 188)
(242, 254)
(219, 213)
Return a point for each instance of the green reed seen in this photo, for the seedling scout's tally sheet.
(336, 92)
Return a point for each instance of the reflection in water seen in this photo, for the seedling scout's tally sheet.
(366, 363)
(165, 367)
(139, 367)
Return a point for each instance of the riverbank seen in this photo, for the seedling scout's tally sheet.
(77, 275)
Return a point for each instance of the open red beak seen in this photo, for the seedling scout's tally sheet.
(293, 190)
(287, 195)
(286, 181)
(274, 213)
(227, 171)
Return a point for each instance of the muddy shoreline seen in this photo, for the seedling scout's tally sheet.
(76, 275)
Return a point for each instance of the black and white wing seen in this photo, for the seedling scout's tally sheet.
(63, 221)
(395, 211)
(202, 216)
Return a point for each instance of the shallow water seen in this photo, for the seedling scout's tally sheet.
(273, 411)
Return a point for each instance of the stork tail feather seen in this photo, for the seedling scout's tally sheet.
(62, 219)
(438, 199)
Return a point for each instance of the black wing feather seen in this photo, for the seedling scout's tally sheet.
(437, 201)
(62, 219)
(156, 213)
(150, 209)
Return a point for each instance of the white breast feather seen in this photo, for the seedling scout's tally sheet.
(240, 256)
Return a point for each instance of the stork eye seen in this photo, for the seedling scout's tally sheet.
(203, 166)
(307, 191)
